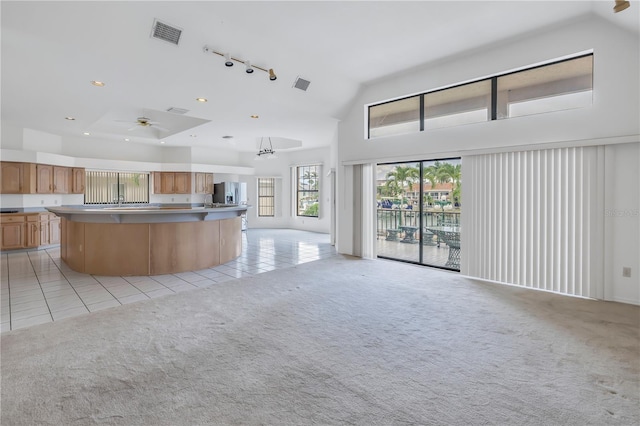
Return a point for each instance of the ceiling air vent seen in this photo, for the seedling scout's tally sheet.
(166, 32)
(301, 84)
(175, 110)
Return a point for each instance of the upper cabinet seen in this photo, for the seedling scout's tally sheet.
(78, 178)
(18, 178)
(29, 178)
(204, 183)
(61, 180)
(182, 183)
(44, 179)
(171, 182)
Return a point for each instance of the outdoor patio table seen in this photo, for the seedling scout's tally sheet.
(392, 234)
(451, 236)
(409, 234)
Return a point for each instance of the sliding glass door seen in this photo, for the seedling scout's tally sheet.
(418, 212)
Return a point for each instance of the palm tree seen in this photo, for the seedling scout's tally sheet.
(447, 172)
(400, 178)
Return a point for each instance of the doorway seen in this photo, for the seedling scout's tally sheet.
(418, 212)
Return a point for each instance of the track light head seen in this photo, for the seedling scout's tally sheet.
(620, 5)
(227, 60)
(272, 75)
(249, 70)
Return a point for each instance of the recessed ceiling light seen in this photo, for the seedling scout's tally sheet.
(69, 118)
(201, 99)
(97, 83)
(127, 139)
(86, 133)
(254, 116)
(162, 142)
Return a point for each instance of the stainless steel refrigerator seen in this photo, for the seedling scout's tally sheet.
(231, 193)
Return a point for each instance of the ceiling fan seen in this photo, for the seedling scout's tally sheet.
(144, 122)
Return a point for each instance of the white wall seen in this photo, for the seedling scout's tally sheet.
(622, 222)
(28, 145)
(614, 113)
(37, 201)
(34, 140)
(612, 119)
(11, 137)
(280, 168)
(109, 149)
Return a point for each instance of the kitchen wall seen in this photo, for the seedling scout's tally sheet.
(612, 120)
(29, 145)
(282, 169)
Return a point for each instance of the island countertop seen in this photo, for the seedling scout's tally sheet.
(148, 240)
(147, 214)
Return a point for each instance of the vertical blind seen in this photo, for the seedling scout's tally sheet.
(532, 219)
(266, 197)
(107, 187)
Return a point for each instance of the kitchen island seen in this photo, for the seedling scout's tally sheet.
(148, 240)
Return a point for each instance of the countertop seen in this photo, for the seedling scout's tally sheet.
(149, 214)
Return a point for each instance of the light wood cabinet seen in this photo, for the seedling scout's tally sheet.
(32, 230)
(44, 179)
(53, 229)
(167, 183)
(13, 232)
(12, 178)
(17, 178)
(61, 180)
(182, 183)
(29, 230)
(78, 178)
(44, 228)
(204, 183)
(171, 182)
(30, 178)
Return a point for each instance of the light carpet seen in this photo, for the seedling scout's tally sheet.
(333, 342)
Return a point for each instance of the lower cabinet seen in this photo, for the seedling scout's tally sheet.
(12, 236)
(54, 229)
(31, 230)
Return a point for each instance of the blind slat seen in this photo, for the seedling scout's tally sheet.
(530, 218)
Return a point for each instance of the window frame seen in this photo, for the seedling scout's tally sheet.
(298, 191)
(493, 102)
(260, 197)
(118, 184)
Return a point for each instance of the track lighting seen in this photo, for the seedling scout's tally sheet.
(249, 67)
(620, 5)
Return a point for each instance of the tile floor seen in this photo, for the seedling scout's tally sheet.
(37, 287)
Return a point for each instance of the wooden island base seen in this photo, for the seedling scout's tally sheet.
(126, 249)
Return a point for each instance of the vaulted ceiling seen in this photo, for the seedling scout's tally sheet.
(51, 51)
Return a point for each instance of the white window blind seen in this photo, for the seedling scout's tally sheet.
(112, 187)
(266, 197)
(534, 219)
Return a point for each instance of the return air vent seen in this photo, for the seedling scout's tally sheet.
(166, 32)
(301, 84)
(175, 110)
